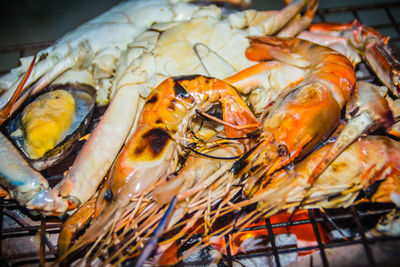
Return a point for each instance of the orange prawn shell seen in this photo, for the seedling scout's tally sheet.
(162, 115)
(311, 107)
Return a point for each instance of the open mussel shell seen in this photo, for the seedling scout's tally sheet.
(85, 99)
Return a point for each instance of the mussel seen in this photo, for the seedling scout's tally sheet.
(46, 128)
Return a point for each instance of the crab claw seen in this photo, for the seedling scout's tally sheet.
(48, 202)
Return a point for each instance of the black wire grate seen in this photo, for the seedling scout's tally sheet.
(38, 237)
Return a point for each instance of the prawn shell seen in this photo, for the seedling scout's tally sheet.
(85, 100)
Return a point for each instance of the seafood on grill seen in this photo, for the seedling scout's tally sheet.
(85, 56)
(161, 132)
(139, 215)
(167, 49)
(324, 102)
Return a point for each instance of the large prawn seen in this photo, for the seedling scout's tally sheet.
(149, 153)
(366, 163)
(368, 160)
(304, 115)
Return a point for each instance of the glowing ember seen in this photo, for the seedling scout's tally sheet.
(257, 240)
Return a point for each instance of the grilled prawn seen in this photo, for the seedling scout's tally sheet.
(369, 160)
(305, 115)
(354, 40)
(160, 132)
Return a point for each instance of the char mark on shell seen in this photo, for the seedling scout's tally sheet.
(243, 161)
(180, 91)
(156, 140)
(153, 99)
(185, 77)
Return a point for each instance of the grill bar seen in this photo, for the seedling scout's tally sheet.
(273, 244)
(392, 20)
(367, 248)
(318, 237)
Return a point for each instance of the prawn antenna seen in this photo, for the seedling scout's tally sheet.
(152, 244)
(209, 156)
(252, 135)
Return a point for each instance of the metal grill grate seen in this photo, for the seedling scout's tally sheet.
(360, 216)
(38, 237)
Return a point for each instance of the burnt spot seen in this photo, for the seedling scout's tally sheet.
(354, 111)
(159, 121)
(153, 99)
(185, 77)
(180, 91)
(254, 168)
(172, 105)
(372, 189)
(139, 150)
(338, 166)
(239, 165)
(243, 161)
(156, 140)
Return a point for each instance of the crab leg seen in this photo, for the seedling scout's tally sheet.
(9, 98)
(94, 159)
